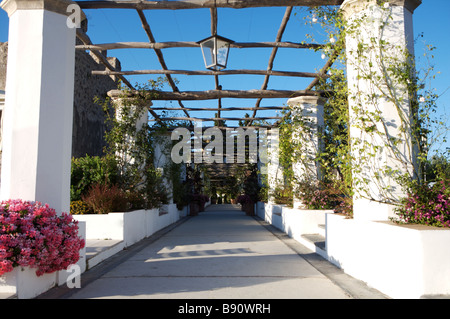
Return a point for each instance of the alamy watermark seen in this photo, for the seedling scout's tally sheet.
(74, 276)
(230, 145)
(74, 19)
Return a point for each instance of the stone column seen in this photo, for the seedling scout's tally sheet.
(274, 170)
(37, 131)
(162, 160)
(138, 113)
(307, 114)
(378, 38)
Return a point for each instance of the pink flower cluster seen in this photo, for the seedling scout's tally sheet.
(33, 235)
(429, 205)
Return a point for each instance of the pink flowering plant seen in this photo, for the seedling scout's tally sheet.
(427, 205)
(33, 235)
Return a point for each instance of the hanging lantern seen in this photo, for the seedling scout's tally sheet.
(215, 52)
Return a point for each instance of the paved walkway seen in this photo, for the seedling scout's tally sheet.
(219, 254)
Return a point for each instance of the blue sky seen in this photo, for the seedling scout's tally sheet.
(247, 25)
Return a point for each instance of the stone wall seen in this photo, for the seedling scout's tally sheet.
(3, 59)
(88, 117)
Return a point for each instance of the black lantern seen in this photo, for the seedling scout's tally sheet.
(215, 52)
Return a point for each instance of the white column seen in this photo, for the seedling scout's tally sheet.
(274, 170)
(139, 114)
(162, 160)
(307, 114)
(37, 131)
(378, 38)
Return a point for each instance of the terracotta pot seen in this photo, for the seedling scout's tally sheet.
(194, 209)
(249, 209)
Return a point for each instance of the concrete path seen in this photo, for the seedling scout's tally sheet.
(219, 254)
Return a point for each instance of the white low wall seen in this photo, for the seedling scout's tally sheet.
(23, 282)
(293, 221)
(401, 261)
(130, 227)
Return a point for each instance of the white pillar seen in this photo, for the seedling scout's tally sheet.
(275, 175)
(37, 131)
(378, 37)
(137, 113)
(307, 114)
(162, 160)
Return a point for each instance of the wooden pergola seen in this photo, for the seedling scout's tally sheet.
(217, 93)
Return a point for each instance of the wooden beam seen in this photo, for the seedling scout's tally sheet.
(188, 44)
(193, 109)
(179, 118)
(324, 69)
(217, 94)
(86, 40)
(213, 12)
(158, 52)
(198, 4)
(215, 73)
(280, 32)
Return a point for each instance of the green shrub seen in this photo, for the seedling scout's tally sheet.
(89, 170)
(79, 207)
(154, 191)
(283, 195)
(317, 195)
(103, 199)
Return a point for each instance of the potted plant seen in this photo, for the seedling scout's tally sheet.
(247, 204)
(198, 203)
(193, 208)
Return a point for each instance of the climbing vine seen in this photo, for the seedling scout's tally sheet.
(384, 158)
(133, 143)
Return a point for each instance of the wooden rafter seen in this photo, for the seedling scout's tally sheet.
(215, 73)
(189, 44)
(280, 32)
(86, 40)
(323, 71)
(179, 118)
(159, 54)
(217, 94)
(199, 4)
(193, 109)
(213, 12)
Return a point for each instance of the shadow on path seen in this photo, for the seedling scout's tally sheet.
(221, 253)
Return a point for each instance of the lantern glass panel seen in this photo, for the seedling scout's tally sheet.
(222, 53)
(215, 52)
(208, 52)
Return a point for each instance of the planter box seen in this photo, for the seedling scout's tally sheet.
(130, 227)
(24, 283)
(248, 208)
(297, 222)
(267, 211)
(402, 261)
(193, 209)
(293, 221)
